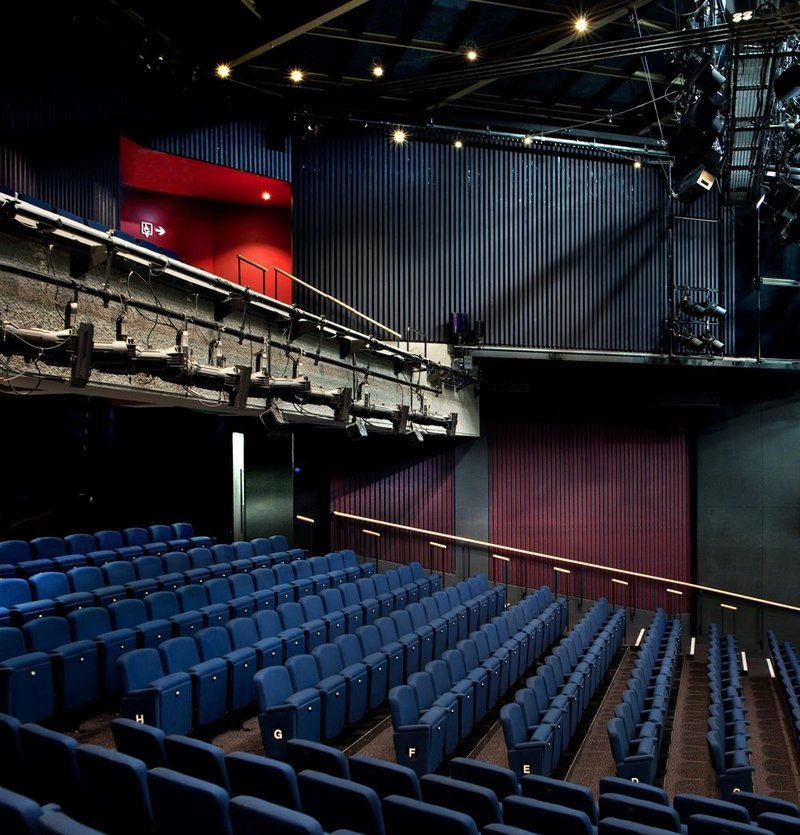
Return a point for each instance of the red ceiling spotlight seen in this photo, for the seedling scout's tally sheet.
(265, 195)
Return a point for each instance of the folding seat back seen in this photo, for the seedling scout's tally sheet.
(243, 550)
(241, 585)
(384, 777)
(403, 815)
(116, 791)
(479, 803)
(253, 816)
(79, 543)
(197, 758)
(279, 542)
(209, 678)
(779, 824)
(286, 713)
(52, 767)
(141, 741)
(153, 696)
(118, 573)
(27, 687)
(304, 674)
(223, 552)
(175, 562)
(15, 551)
(758, 804)
(148, 567)
(709, 825)
(57, 823)
(560, 792)
(12, 766)
(200, 557)
(215, 642)
(257, 776)
(75, 663)
(19, 815)
(53, 585)
(185, 530)
(630, 808)
(85, 578)
(526, 754)
(46, 547)
(687, 805)
(551, 818)
(501, 781)
(261, 546)
(338, 803)
(304, 754)
(192, 598)
(108, 540)
(186, 804)
(160, 533)
(218, 590)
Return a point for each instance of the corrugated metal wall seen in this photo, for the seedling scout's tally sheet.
(612, 495)
(418, 492)
(550, 249)
(241, 145)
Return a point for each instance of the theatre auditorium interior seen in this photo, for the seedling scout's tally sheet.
(400, 405)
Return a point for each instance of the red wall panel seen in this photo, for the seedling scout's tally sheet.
(210, 235)
(611, 495)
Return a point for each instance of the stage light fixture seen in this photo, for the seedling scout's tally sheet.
(688, 340)
(581, 25)
(223, 71)
(702, 309)
(296, 75)
(711, 342)
(273, 419)
(399, 136)
(696, 183)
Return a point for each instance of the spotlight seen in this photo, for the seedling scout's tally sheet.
(377, 68)
(265, 195)
(356, 429)
(637, 163)
(399, 136)
(702, 309)
(223, 71)
(273, 419)
(471, 53)
(711, 342)
(688, 340)
(458, 144)
(527, 140)
(415, 436)
(702, 74)
(296, 75)
(694, 184)
(581, 25)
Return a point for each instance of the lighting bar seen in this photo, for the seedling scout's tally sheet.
(727, 606)
(501, 557)
(674, 591)
(370, 533)
(437, 545)
(561, 570)
(770, 668)
(744, 662)
(304, 519)
(691, 646)
(639, 637)
(619, 582)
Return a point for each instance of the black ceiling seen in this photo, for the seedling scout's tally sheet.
(534, 72)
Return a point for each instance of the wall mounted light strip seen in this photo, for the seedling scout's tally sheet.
(619, 582)
(465, 540)
(307, 519)
(674, 591)
(744, 662)
(727, 606)
(770, 668)
(500, 557)
(639, 637)
(561, 570)
(370, 533)
(437, 545)
(691, 646)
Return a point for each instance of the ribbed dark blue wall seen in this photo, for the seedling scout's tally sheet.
(551, 249)
(241, 145)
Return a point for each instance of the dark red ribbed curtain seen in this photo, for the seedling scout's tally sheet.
(610, 495)
(418, 493)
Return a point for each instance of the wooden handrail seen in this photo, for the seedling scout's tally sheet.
(495, 546)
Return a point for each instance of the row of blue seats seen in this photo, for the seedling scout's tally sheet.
(304, 700)
(636, 730)
(21, 558)
(727, 737)
(437, 707)
(54, 663)
(342, 793)
(544, 716)
(787, 670)
(54, 592)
